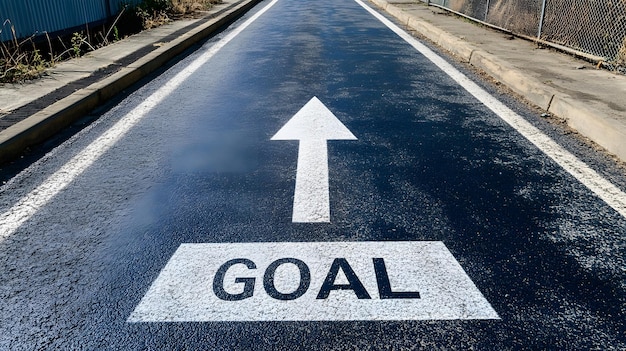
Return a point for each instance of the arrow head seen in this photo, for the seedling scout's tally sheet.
(314, 121)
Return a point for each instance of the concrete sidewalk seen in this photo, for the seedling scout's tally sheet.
(592, 101)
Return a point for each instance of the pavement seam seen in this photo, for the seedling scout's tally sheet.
(47, 122)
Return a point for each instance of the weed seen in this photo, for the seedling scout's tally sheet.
(77, 42)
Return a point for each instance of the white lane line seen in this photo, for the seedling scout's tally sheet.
(604, 189)
(27, 206)
(316, 281)
(313, 126)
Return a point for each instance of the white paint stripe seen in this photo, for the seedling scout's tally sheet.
(604, 189)
(30, 204)
(185, 289)
(311, 199)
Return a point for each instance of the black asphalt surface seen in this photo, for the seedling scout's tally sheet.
(430, 164)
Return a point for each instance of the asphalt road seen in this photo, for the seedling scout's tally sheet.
(172, 221)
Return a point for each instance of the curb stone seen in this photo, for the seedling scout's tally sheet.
(532, 89)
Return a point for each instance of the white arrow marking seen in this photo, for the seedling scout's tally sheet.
(313, 125)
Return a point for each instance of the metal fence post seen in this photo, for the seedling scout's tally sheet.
(487, 11)
(543, 12)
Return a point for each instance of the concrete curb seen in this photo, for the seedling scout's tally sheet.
(608, 132)
(532, 89)
(47, 122)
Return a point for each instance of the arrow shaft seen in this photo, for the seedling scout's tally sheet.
(311, 198)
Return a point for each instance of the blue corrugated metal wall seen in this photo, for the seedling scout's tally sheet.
(30, 17)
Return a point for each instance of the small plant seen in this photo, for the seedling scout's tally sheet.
(77, 42)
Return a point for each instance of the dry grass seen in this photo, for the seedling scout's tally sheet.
(154, 13)
(20, 60)
(184, 7)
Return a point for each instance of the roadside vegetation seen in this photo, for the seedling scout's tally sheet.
(27, 59)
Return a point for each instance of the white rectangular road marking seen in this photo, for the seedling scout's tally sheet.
(604, 189)
(424, 282)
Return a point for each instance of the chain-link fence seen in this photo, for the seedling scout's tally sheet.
(595, 27)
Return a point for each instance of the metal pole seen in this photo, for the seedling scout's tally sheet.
(543, 12)
(487, 11)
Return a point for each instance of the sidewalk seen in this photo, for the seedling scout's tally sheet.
(592, 101)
